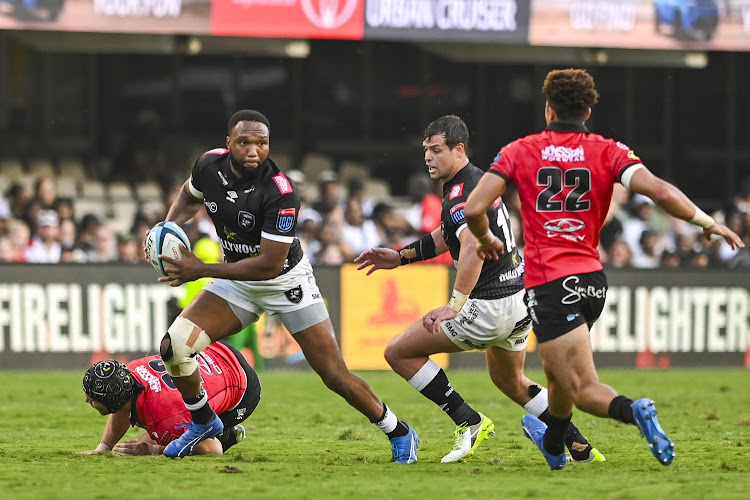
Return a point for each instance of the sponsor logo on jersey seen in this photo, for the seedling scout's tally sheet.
(231, 196)
(512, 274)
(223, 179)
(211, 206)
(243, 248)
(457, 213)
(633, 156)
(497, 158)
(622, 146)
(294, 295)
(285, 220)
(152, 380)
(520, 341)
(561, 153)
(246, 220)
(229, 234)
(283, 183)
(564, 225)
(456, 191)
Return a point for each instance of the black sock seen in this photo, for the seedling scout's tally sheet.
(554, 438)
(440, 392)
(203, 414)
(400, 430)
(577, 443)
(619, 409)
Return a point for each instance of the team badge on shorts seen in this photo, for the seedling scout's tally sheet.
(246, 220)
(285, 220)
(294, 295)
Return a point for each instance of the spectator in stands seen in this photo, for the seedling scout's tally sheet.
(619, 255)
(356, 190)
(394, 230)
(328, 203)
(424, 214)
(614, 222)
(64, 209)
(329, 248)
(45, 192)
(128, 250)
(87, 237)
(359, 233)
(45, 244)
(7, 250)
(18, 196)
(649, 256)
(20, 236)
(641, 209)
(105, 244)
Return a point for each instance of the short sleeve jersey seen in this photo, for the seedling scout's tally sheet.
(498, 278)
(244, 211)
(159, 407)
(565, 177)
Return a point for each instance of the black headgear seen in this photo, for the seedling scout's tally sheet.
(110, 383)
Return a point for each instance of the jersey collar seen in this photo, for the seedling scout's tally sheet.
(560, 126)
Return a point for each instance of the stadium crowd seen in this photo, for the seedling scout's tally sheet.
(337, 221)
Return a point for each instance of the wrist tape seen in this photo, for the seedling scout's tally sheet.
(422, 249)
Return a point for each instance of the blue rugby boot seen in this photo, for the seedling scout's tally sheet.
(661, 446)
(534, 430)
(183, 445)
(405, 447)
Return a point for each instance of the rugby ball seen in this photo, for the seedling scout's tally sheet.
(165, 238)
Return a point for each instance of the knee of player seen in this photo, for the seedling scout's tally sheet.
(183, 340)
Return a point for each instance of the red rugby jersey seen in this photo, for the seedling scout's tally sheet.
(160, 407)
(565, 176)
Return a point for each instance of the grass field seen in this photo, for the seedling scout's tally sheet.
(304, 442)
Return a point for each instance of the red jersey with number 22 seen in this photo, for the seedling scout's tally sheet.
(565, 178)
(160, 408)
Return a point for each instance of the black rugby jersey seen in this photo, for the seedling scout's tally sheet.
(245, 210)
(499, 278)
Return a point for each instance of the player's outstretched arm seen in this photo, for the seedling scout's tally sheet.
(675, 203)
(378, 258)
(117, 425)
(427, 247)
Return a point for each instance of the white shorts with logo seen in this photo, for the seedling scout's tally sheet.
(485, 323)
(296, 290)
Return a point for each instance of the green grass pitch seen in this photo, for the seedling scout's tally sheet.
(305, 442)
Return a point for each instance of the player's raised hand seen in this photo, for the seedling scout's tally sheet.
(732, 238)
(189, 268)
(378, 258)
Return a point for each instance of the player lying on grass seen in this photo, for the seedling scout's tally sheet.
(142, 394)
(486, 311)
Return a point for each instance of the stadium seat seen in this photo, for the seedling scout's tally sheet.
(123, 213)
(377, 190)
(119, 191)
(72, 168)
(66, 187)
(12, 169)
(93, 190)
(313, 164)
(83, 206)
(149, 191)
(349, 170)
(41, 167)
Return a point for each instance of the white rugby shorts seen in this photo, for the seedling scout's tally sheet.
(293, 291)
(485, 323)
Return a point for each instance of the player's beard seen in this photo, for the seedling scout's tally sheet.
(246, 173)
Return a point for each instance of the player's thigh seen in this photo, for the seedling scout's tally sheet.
(213, 314)
(417, 341)
(505, 365)
(569, 359)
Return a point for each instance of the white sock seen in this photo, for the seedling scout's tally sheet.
(425, 375)
(389, 421)
(538, 403)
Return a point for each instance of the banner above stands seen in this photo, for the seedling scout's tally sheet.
(689, 25)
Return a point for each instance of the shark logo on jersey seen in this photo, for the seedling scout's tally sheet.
(457, 214)
(246, 220)
(229, 235)
(285, 220)
(294, 295)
